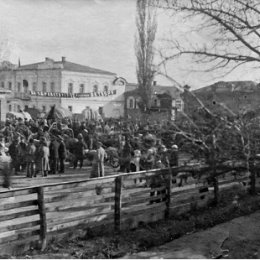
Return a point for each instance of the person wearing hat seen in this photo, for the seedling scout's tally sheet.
(78, 151)
(54, 154)
(62, 154)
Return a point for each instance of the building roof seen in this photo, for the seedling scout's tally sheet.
(229, 86)
(65, 66)
(132, 88)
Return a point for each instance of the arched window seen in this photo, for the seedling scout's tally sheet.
(95, 88)
(52, 87)
(70, 88)
(106, 88)
(25, 85)
(131, 103)
(81, 88)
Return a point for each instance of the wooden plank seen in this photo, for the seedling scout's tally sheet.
(17, 199)
(19, 215)
(118, 203)
(77, 188)
(141, 208)
(43, 220)
(85, 221)
(17, 192)
(14, 227)
(76, 195)
(168, 194)
(140, 192)
(82, 183)
(79, 216)
(78, 204)
(144, 201)
(18, 234)
(18, 205)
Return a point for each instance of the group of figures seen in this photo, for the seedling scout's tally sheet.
(41, 147)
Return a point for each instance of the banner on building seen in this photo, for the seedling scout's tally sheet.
(73, 95)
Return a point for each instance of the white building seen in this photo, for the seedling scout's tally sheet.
(63, 83)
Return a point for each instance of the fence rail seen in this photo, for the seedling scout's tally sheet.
(123, 201)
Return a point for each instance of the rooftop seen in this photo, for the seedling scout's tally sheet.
(63, 65)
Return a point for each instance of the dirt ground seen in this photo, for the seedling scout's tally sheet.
(237, 239)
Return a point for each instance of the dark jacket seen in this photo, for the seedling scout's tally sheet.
(62, 150)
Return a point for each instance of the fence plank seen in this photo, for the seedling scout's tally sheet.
(18, 205)
(118, 192)
(168, 193)
(43, 221)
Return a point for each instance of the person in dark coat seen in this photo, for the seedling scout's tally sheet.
(54, 154)
(30, 158)
(78, 151)
(62, 154)
(14, 153)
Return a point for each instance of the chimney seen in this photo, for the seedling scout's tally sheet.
(63, 59)
(154, 83)
(46, 58)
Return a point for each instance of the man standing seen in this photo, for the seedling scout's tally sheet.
(30, 154)
(62, 154)
(14, 153)
(98, 168)
(79, 147)
(54, 154)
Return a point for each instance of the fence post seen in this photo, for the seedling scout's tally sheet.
(42, 213)
(168, 193)
(118, 190)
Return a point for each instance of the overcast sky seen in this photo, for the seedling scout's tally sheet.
(96, 33)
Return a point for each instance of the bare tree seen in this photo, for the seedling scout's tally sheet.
(144, 47)
(233, 27)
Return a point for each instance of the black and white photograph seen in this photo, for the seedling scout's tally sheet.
(129, 129)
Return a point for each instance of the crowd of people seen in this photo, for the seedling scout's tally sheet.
(38, 148)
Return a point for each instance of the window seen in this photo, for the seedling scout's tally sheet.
(155, 102)
(70, 88)
(19, 87)
(2, 84)
(18, 108)
(52, 87)
(44, 108)
(34, 87)
(10, 108)
(178, 104)
(105, 88)
(25, 107)
(81, 88)
(44, 87)
(131, 103)
(70, 108)
(10, 85)
(95, 88)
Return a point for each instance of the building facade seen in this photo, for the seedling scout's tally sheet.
(166, 101)
(72, 86)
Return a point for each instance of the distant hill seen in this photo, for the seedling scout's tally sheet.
(237, 96)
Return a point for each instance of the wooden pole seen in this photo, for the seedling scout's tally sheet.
(168, 193)
(43, 221)
(118, 191)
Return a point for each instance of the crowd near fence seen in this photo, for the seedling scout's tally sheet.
(33, 215)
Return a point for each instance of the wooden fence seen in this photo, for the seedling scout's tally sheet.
(122, 201)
